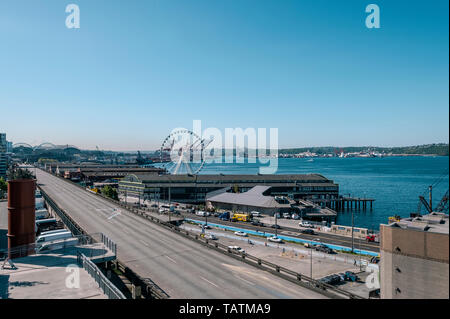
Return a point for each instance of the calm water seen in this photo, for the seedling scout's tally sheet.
(394, 182)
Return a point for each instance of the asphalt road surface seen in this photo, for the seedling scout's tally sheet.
(180, 267)
(325, 238)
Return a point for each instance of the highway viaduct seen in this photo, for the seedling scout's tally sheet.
(180, 267)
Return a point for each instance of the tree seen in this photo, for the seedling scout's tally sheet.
(3, 186)
(110, 192)
(19, 173)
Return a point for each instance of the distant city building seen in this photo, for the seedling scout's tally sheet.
(3, 156)
(414, 258)
(9, 147)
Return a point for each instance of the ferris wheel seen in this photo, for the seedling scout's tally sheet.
(183, 152)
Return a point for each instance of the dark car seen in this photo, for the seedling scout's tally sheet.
(276, 226)
(308, 231)
(324, 248)
(335, 279)
(216, 214)
(351, 276)
(257, 223)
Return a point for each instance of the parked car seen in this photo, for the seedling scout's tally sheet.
(303, 223)
(237, 248)
(225, 216)
(276, 226)
(201, 213)
(210, 236)
(287, 215)
(240, 233)
(255, 214)
(351, 276)
(308, 232)
(331, 279)
(334, 279)
(275, 239)
(204, 226)
(324, 248)
(216, 214)
(295, 216)
(257, 223)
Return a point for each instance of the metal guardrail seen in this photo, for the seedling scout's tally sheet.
(69, 222)
(109, 243)
(151, 290)
(275, 269)
(108, 288)
(31, 249)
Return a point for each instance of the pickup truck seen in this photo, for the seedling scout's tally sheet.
(225, 216)
(324, 248)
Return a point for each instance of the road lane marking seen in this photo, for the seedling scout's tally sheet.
(114, 215)
(171, 259)
(244, 280)
(143, 242)
(209, 282)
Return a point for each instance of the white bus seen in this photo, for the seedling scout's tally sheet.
(62, 230)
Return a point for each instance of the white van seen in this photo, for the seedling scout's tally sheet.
(62, 230)
(59, 244)
(201, 213)
(51, 237)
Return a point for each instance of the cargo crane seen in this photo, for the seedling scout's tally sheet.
(442, 207)
(443, 204)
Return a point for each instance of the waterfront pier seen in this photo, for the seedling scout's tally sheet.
(342, 203)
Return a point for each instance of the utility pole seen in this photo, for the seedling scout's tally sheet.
(360, 254)
(170, 206)
(431, 197)
(276, 226)
(353, 225)
(311, 262)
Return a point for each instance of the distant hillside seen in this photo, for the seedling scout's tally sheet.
(428, 149)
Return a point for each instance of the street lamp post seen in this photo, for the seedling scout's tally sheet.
(276, 225)
(170, 206)
(360, 254)
(353, 225)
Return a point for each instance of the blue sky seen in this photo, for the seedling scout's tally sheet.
(137, 69)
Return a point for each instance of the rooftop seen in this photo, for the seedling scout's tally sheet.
(44, 276)
(253, 197)
(281, 179)
(432, 223)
